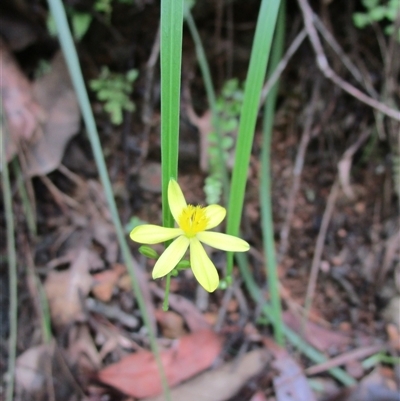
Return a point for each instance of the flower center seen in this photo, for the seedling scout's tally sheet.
(193, 220)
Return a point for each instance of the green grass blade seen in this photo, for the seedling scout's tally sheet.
(12, 270)
(26, 204)
(265, 180)
(255, 77)
(72, 61)
(170, 56)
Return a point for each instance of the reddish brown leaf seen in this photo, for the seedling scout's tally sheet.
(137, 374)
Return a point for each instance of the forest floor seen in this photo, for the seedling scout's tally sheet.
(335, 212)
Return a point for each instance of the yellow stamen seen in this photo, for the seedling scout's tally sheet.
(193, 220)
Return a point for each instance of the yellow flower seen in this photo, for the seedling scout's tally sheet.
(193, 225)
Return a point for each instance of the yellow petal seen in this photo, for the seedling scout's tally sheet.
(215, 214)
(203, 269)
(176, 200)
(170, 257)
(224, 242)
(152, 234)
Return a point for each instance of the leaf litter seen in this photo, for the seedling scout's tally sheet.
(90, 294)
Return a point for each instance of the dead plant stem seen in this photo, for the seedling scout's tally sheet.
(325, 68)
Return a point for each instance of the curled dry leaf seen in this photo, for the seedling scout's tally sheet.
(137, 375)
(104, 284)
(222, 383)
(66, 289)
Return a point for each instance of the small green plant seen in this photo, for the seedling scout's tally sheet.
(113, 89)
(228, 108)
(378, 10)
(81, 20)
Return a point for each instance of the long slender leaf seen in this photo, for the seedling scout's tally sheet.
(171, 56)
(265, 180)
(255, 77)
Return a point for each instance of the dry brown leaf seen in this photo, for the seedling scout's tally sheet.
(22, 112)
(56, 95)
(82, 351)
(171, 323)
(137, 374)
(258, 396)
(222, 383)
(291, 384)
(104, 283)
(193, 318)
(66, 289)
(321, 338)
(31, 368)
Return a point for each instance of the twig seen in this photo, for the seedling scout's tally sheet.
(282, 65)
(354, 71)
(319, 246)
(344, 164)
(60, 198)
(297, 170)
(343, 358)
(323, 65)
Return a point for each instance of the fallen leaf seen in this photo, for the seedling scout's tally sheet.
(104, 283)
(258, 396)
(291, 384)
(193, 318)
(171, 323)
(374, 387)
(31, 368)
(23, 113)
(66, 289)
(56, 95)
(82, 351)
(137, 374)
(321, 338)
(222, 383)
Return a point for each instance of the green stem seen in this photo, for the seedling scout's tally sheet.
(12, 270)
(265, 181)
(166, 294)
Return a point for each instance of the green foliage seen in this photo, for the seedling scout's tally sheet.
(113, 90)
(376, 11)
(228, 107)
(80, 20)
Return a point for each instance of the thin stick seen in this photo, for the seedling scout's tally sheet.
(343, 358)
(343, 57)
(319, 246)
(297, 170)
(282, 65)
(323, 65)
